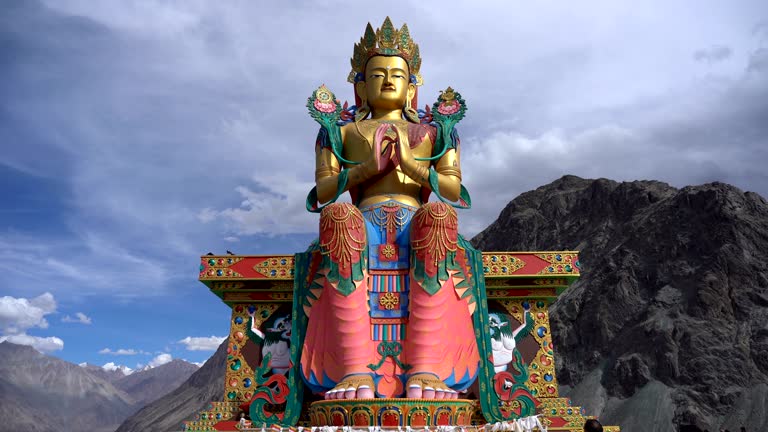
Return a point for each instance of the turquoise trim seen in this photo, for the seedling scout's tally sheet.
(341, 186)
(465, 201)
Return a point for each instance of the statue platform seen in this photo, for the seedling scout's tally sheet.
(240, 279)
(261, 286)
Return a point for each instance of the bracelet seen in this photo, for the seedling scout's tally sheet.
(419, 174)
(449, 170)
(325, 172)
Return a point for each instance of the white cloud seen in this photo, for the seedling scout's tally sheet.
(505, 164)
(121, 351)
(17, 315)
(145, 17)
(87, 264)
(79, 318)
(277, 206)
(138, 176)
(202, 343)
(160, 360)
(111, 366)
(207, 215)
(20, 314)
(67, 270)
(42, 344)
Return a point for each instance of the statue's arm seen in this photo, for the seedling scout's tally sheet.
(445, 179)
(447, 170)
(328, 169)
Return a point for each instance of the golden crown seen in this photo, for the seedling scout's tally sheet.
(386, 41)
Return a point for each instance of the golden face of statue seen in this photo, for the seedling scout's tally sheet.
(387, 84)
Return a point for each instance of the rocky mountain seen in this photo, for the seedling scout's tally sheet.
(170, 411)
(668, 324)
(109, 375)
(148, 385)
(39, 393)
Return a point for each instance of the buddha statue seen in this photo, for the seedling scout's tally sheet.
(390, 284)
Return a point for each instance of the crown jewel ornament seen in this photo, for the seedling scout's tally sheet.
(386, 41)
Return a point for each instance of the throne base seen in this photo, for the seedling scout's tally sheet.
(392, 412)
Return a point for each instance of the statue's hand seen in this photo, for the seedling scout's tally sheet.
(386, 139)
(380, 161)
(408, 163)
(384, 154)
(404, 155)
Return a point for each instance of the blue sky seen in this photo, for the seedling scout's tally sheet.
(138, 135)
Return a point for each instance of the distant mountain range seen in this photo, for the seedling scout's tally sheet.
(170, 411)
(107, 374)
(149, 384)
(40, 393)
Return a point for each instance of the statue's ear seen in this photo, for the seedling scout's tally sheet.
(360, 89)
(411, 91)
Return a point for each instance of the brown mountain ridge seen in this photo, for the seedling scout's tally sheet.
(41, 393)
(668, 324)
(170, 411)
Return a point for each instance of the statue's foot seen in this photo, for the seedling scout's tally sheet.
(352, 387)
(428, 386)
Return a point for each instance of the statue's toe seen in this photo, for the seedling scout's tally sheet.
(414, 391)
(429, 393)
(365, 392)
(428, 386)
(352, 387)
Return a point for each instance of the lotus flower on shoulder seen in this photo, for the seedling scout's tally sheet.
(325, 107)
(448, 107)
(324, 100)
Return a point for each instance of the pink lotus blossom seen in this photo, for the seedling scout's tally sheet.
(448, 107)
(325, 107)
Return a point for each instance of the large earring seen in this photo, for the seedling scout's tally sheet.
(363, 110)
(411, 114)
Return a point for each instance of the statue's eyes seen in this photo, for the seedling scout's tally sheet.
(377, 75)
(398, 76)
